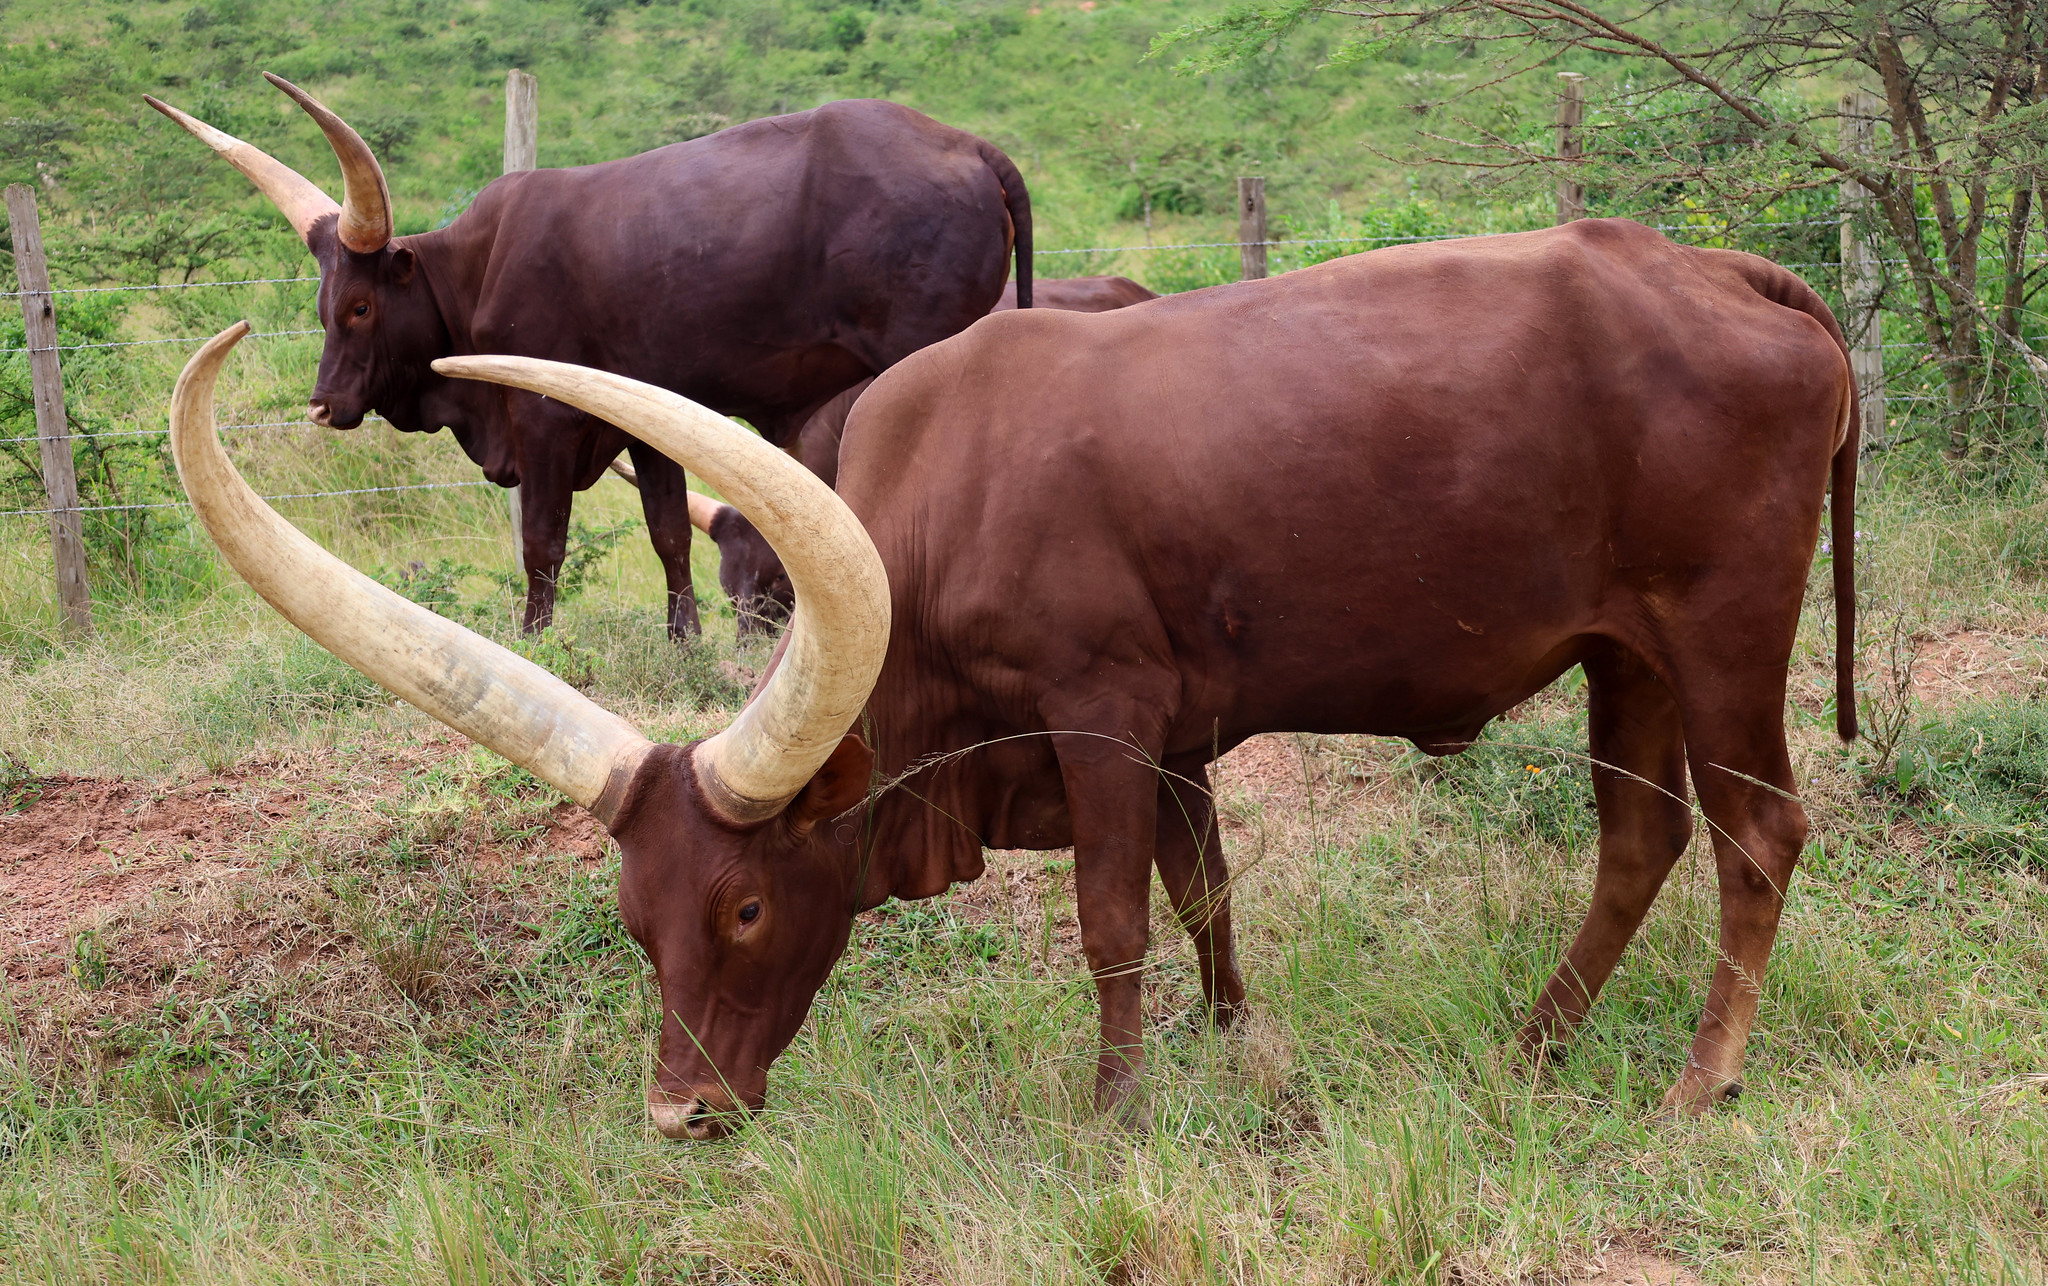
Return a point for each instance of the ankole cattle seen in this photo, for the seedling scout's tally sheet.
(748, 569)
(759, 270)
(1072, 556)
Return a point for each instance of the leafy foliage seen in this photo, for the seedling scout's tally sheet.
(1977, 784)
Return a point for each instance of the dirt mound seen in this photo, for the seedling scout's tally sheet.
(80, 845)
(77, 852)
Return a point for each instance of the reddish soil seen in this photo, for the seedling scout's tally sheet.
(1975, 664)
(84, 845)
(79, 850)
(1633, 1268)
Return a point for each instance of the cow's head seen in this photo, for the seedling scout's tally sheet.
(383, 324)
(748, 570)
(739, 871)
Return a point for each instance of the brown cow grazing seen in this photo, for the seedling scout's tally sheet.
(748, 569)
(760, 270)
(1396, 493)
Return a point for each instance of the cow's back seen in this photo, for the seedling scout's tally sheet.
(730, 265)
(1344, 497)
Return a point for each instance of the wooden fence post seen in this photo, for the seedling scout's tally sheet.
(53, 431)
(1862, 275)
(1571, 113)
(1251, 227)
(522, 152)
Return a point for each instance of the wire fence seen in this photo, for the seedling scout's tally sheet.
(294, 495)
(1679, 231)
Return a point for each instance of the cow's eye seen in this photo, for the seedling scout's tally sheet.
(362, 310)
(750, 913)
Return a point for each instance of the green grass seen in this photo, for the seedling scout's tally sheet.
(411, 1042)
(405, 1037)
(450, 1088)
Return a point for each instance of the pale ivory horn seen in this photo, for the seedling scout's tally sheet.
(466, 681)
(298, 197)
(702, 507)
(839, 632)
(365, 197)
(702, 510)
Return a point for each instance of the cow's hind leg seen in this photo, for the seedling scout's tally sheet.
(1638, 749)
(1735, 746)
(665, 499)
(1189, 854)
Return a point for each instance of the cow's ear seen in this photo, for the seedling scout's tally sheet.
(402, 264)
(838, 786)
(321, 241)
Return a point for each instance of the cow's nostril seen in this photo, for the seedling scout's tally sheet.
(706, 1122)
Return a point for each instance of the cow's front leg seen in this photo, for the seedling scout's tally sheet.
(665, 499)
(1112, 791)
(544, 496)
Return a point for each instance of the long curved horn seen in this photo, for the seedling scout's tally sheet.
(365, 197)
(467, 682)
(702, 510)
(839, 633)
(702, 507)
(297, 196)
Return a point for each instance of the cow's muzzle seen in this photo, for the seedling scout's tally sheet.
(322, 412)
(708, 1113)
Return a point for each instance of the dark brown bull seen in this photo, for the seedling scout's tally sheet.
(1396, 493)
(760, 270)
(748, 569)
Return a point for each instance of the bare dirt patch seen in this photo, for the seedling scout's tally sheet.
(83, 852)
(85, 845)
(1634, 1268)
(1978, 664)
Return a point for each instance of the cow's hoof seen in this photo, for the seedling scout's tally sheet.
(1121, 1102)
(1202, 1020)
(1131, 1114)
(1689, 1100)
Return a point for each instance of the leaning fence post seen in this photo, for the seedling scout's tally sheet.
(53, 431)
(1251, 227)
(1862, 275)
(1571, 113)
(522, 152)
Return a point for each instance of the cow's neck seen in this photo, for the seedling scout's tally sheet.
(456, 261)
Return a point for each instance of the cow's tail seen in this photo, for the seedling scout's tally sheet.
(1018, 202)
(1842, 534)
(1783, 286)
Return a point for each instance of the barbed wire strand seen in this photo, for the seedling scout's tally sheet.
(157, 433)
(162, 285)
(1708, 229)
(296, 495)
(136, 343)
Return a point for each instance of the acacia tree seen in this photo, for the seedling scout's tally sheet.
(1712, 114)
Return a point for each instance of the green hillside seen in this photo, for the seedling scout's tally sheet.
(1065, 87)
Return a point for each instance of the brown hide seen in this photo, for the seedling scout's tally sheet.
(1396, 493)
(1078, 294)
(759, 271)
(749, 571)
